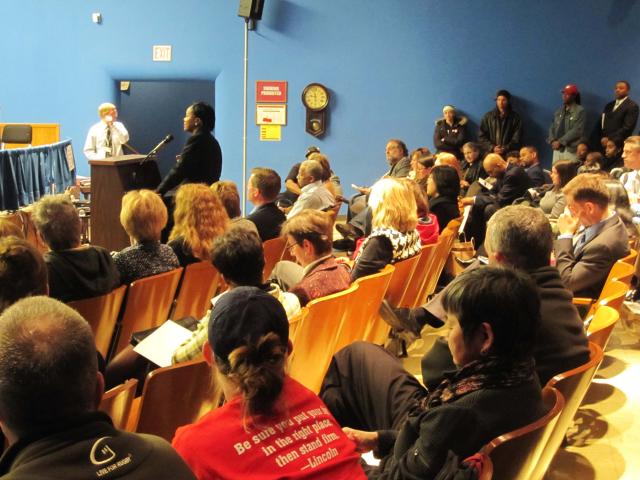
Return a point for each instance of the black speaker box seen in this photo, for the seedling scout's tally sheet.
(251, 9)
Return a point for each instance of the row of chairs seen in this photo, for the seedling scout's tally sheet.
(329, 323)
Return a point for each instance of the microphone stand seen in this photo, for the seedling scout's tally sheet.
(157, 148)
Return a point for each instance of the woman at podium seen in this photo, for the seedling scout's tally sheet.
(201, 158)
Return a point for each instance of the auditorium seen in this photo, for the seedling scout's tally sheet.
(320, 239)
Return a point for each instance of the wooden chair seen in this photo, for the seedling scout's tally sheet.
(173, 396)
(602, 324)
(273, 251)
(631, 258)
(363, 306)
(378, 330)
(147, 304)
(612, 294)
(117, 402)
(316, 337)
(419, 277)
(102, 314)
(199, 284)
(514, 455)
(622, 272)
(440, 256)
(573, 385)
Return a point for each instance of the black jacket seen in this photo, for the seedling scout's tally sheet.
(618, 124)
(81, 273)
(445, 209)
(450, 138)
(90, 447)
(513, 185)
(200, 162)
(561, 342)
(268, 219)
(496, 130)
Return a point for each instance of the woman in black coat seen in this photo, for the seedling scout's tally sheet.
(443, 189)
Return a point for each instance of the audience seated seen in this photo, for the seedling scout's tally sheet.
(330, 180)
(263, 187)
(23, 271)
(198, 218)
(519, 237)
(581, 152)
(393, 236)
(471, 168)
(511, 183)
(530, 162)
(553, 201)
(450, 132)
(443, 188)
(494, 314)
(76, 271)
(592, 164)
(247, 349)
(567, 128)
(612, 156)
(317, 274)
(227, 192)
(314, 195)
(619, 203)
(143, 217)
(428, 226)
(414, 156)
(631, 179)
(585, 256)
(449, 160)
(239, 257)
(292, 189)
(500, 128)
(424, 162)
(50, 389)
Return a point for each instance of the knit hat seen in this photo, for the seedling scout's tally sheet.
(503, 93)
(446, 108)
(243, 315)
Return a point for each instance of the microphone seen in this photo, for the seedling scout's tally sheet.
(158, 147)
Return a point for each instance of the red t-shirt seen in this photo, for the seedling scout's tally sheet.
(306, 443)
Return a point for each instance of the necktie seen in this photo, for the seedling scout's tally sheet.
(581, 240)
(107, 141)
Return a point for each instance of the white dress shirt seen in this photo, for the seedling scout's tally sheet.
(95, 147)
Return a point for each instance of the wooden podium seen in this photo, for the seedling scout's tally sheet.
(111, 178)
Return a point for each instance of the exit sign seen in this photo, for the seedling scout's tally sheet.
(162, 53)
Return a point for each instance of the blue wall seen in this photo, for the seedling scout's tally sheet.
(390, 64)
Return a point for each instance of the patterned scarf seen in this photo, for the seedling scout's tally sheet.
(404, 245)
(489, 372)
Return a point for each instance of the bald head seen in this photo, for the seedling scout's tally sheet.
(48, 365)
(494, 165)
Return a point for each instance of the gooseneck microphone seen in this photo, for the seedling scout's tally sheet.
(158, 147)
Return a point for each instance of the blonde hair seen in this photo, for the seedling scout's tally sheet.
(588, 187)
(393, 205)
(105, 108)
(143, 215)
(199, 218)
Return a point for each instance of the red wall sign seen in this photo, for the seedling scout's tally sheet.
(274, 91)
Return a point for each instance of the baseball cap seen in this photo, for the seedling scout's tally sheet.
(310, 150)
(571, 89)
(243, 315)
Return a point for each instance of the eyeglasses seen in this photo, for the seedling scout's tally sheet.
(291, 245)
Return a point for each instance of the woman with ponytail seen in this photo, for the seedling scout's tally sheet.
(271, 426)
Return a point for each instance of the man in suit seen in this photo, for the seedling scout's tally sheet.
(262, 190)
(591, 237)
(531, 164)
(511, 182)
(619, 117)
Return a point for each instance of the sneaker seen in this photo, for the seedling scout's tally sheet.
(348, 231)
(344, 245)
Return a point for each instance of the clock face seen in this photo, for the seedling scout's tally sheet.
(315, 97)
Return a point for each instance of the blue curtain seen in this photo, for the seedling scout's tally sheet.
(26, 174)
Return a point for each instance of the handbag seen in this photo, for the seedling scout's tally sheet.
(462, 255)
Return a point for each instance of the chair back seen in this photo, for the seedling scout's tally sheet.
(316, 337)
(631, 258)
(175, 396)
(147, 304)
(602, 324)
(622, 272)
(363, 306)
(17, 134)
(273, 251)
(102, 314)
(199, 284)
(573, 385)
(514, 455)
(445, 242)
(117, 402)
(419, 277)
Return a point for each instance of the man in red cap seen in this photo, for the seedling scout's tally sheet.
(567, 129)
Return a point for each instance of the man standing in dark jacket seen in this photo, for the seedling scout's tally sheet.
(619, 117)
(501, 128)
(50, 389)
